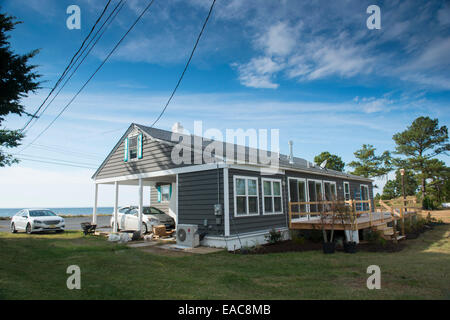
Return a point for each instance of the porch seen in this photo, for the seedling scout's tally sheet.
(143, 185)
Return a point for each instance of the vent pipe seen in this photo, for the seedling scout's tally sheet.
(291, 152)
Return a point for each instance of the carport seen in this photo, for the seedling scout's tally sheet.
(140, 181)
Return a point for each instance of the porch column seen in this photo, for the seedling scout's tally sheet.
(116, 204)
(141, 200)
(94, 212)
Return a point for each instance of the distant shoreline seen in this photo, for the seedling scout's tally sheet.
(69, 216)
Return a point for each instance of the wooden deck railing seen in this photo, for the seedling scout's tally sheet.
(327, 211)
(400, 208)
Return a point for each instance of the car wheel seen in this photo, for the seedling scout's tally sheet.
(28, 229)
(144, 228)
(13, 228)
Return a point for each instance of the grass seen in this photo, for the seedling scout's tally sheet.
(34, 267)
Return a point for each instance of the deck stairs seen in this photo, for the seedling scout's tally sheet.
(388, 233)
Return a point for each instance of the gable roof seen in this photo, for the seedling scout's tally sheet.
(299, 164)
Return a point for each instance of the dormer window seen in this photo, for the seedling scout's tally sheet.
(133, 147)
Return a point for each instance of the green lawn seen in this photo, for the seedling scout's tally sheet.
(34, 267)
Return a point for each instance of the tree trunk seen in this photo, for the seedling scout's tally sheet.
(424, 192)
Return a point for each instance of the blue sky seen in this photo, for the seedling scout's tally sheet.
(311, 69)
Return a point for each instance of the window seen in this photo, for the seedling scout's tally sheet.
(364, 196)
(272, 199)
(297, 193)
(329, 190)
(315, 194)
(245, 196)
(132, 147)
(346, 191)
(165, 192)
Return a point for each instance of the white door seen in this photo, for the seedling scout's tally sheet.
(22, 220)
(297, 193)
(131, 220)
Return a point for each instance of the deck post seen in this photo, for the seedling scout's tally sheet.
(94, 211)
(403, 220)
(116, 205)
(141, 203)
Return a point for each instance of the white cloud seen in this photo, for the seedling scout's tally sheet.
(258, 73)
(278, 40)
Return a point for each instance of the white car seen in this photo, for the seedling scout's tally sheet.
(127, 218)
(36, 220)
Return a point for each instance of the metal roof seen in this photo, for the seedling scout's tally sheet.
(299, 164)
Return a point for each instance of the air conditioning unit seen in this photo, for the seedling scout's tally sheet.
(187, 235)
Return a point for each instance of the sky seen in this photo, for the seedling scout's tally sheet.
(311, 69)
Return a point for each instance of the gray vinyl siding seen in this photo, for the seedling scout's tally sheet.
(156, 156)
(259, 222)
(198, 192)
(164, 205)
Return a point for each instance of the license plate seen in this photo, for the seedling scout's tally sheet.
(52, 226)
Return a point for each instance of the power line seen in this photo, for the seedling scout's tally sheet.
(90, 78)
(85, 56)
(29, 156)
(57, 163)
(186, 66)
(71, 60)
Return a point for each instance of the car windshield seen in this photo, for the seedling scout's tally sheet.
(41, 213)
(151, 210)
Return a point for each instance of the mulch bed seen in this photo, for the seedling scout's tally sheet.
(291, 246)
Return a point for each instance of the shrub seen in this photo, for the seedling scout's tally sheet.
(374, 237)
(297, 237)
(274, 236)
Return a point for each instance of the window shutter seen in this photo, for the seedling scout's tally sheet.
(139, 146)
(170, 191)
(125, 150)
(159, 193)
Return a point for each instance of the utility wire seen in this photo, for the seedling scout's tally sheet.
(29, 156)
(66, 69)
(57, 163)
(186, 66)
(84, 58)
(90, 78)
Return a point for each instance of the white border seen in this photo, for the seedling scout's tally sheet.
(330, 182)
(272, 196)
(246, 195)
(349, 192)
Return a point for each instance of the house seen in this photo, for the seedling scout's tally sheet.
(252, 202)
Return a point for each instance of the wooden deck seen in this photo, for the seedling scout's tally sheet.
(363, 221)
(351, 215)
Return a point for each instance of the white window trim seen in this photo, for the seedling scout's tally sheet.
(272, 196)
(133, 135)
(330, 182)
(349, 193)
(161, 188)
(315, 180)
(360, 195)
(246, 196)
(306, 190)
